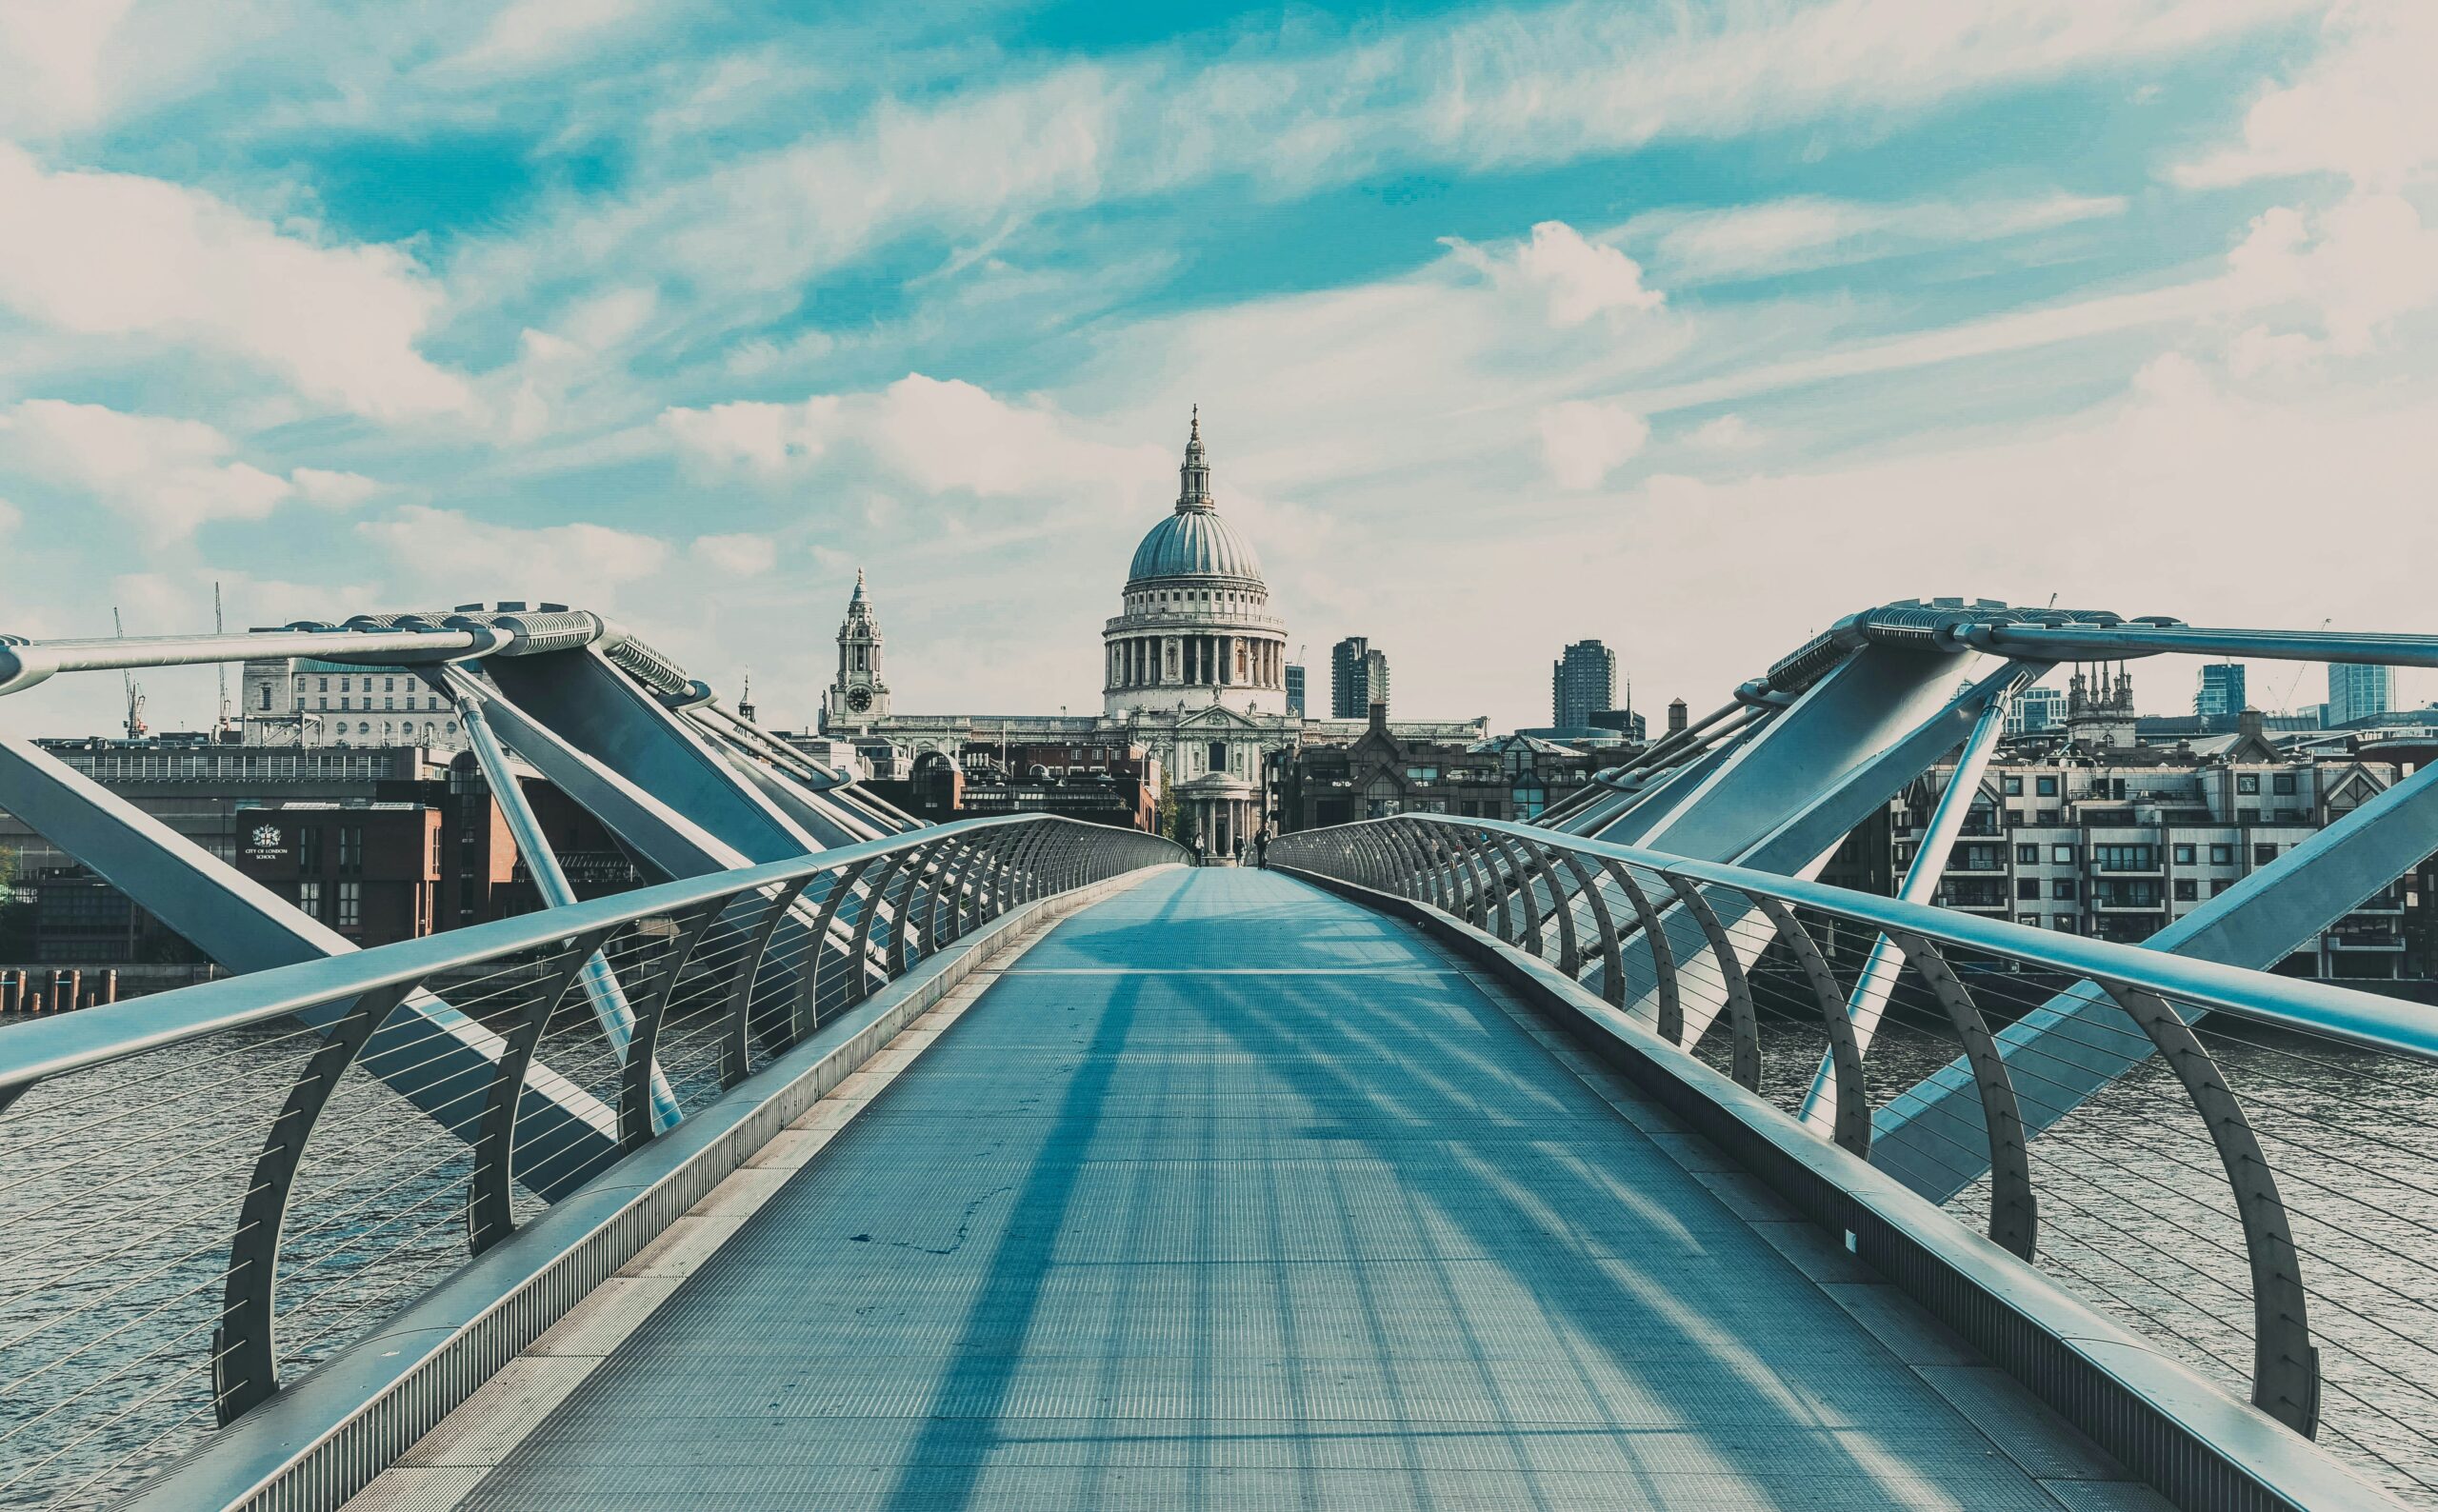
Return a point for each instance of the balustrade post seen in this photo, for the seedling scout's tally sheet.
(245, 1353)
(490, 1210)
(1742, 1019)
(1851, 1129)
(1671, 1003)
(805, 1015)
(2284, 1364)
(634, 1073)
(736, 1030)
(2015, 1214)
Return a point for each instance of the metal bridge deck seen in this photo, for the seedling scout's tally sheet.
(1231, 1194)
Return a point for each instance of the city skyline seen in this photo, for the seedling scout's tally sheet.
(612, 305)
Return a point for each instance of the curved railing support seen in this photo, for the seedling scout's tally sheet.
(245, 1353)
(736, 1028)
(1562, 904)
(2285, 1364)
(1743, 1022)
(859, 978)
(651, 1014)
(806, 1016)
(1613, 965)
(2015, 1217)
(1662, 954)
(1852, 1130)
(489, 1211)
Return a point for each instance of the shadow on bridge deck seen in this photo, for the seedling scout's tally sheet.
(1230, 1194)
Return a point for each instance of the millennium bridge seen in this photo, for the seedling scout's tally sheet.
(1609, 1160)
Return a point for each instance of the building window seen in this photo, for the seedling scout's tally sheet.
(2014, 786)
(1218, 756)
(2219, 885)
(2263, 853)
(309, 897)
(2027, 887)
(2062, 924)
(350, 850)
(2045, 786)
(2282, 782)
(343, 703)
(2048, 816)
(2062, 888)
(2062, 855)
(2246, 816)
(2247, 782)
(2183, 855)
(2187, 890)
(2027, 855)
(2222, 855)
(309, 851)
(2030, 921)
(2124, 858)
(350, 906)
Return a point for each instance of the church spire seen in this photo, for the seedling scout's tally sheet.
(1194, 478)
(859, 587)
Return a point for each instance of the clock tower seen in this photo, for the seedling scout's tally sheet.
(857, 696)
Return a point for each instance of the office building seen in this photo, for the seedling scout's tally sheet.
(2221, 689)
(1358, 678)
(2358, 692)
(1582, 681)
(1295, 689)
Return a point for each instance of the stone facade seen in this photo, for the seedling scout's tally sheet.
(1194, 672)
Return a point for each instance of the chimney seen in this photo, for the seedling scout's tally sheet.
(1379, 716)
(2251, 721)
(1676, 715)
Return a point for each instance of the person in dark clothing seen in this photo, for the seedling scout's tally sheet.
(1261, 847)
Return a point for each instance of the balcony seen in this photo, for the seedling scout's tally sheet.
(2128, 898)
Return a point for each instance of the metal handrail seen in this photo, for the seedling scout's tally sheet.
(1401, 855)
(51, 1046)
(2340, 1013)
(906, 880)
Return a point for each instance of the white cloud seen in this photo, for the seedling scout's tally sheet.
(171, 475)
(113, 254)
(51, 61)
(740, 555)
(1574, 278)
(930, 436)
(1509, 89)
(2362, 107)
(1774, 237)
(532, 34)
(1725, 433)
(2358, 266)
(332, 491)
(1583, 441)
(449, 552)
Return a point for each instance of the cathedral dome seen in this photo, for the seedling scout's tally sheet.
(1193, 542)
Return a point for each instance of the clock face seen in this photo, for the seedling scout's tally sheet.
(859, 699)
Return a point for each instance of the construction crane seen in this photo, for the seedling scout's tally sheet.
(135, 691)
(219, 627)
(2286, 704)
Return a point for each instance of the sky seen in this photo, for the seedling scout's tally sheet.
(1691, 327)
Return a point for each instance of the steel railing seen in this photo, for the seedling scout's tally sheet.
(2259, 1192)
(202, 1196)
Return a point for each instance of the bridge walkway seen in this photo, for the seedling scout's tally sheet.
(1229, 1194)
